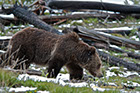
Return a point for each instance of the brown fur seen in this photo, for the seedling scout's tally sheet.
(45, 48)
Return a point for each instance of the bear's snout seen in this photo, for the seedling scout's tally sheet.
(100, 75)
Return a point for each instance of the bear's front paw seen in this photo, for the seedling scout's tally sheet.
(76, 76)
(51, 73)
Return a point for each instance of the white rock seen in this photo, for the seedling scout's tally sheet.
(83, 84)
(1, 51)
(5, 37)
(21, 89)
(130, 83)
(128, 73)
(61, 82)
(110, 74)
(34, 78)
(96, 88)
(63, 77)
(78, 21)
(42, 92)
(115, 46)
(64, 25)
(112, 84)
(118, 28)
(107, 1)
(7, 16)
(135, 37)
(104, 33)
(116, 68)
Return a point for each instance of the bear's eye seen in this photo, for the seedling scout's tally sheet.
(89, 53)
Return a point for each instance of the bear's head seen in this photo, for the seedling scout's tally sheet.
(86, 56)
(90, 60)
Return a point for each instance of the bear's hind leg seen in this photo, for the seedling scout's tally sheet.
(76, 72)
(54, 68)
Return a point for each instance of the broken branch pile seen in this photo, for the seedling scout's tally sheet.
(107, 38)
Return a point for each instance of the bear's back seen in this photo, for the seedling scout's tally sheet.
(35, 44)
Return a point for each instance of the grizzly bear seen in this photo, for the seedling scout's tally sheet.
(55, 51)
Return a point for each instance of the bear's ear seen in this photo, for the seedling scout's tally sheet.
(73, 36)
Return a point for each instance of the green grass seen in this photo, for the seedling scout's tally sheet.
(9, 79)
(53, 88)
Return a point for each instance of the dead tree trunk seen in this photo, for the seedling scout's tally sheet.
(71, 5)
(118, 50)
(47, 18)
(122, 32)
(119, 62)
(107, 38)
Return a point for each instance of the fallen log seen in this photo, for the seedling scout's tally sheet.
(121, 31)
(74, 4)
(80, 16)
(8, 20)
(55, 18)
(28, 16)
(106, 46)
(107, 38)
(114, 61)
(118, 50)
